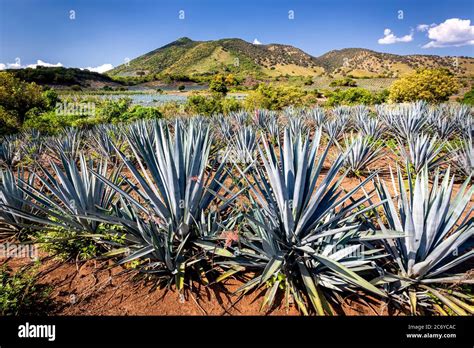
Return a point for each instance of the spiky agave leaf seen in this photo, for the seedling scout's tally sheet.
(360, 152)
(405, 121)
(463, 118)
(273, 129)
(69, 143)
(441, 122)
(366, 125)
(70, 194)
(463, 156)
(12, 195)
(262, 117)
(140, 131)
(103, 137)
(301, 230)
(175, 186)
(297, 125)
(239, 118)
(316, 115)
(32, 145)
(9, 154)
(244, 144)
(423, 150)
(438, 238)
(223, 126)
(342, 112)
(162, 253)
(335, 128)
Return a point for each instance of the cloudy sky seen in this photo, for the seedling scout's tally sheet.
(100, 34)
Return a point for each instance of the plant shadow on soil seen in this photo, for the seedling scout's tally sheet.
(101, 288)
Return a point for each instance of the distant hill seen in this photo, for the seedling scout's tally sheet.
(199, 58)
(59, 76)
(363, 62)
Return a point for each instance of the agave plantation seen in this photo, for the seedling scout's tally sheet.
(307, 206)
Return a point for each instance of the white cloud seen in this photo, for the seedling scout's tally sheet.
(13, 66)
(101, 68)
(390, 38)
(423, 27)
(256, 42)
(10, 66)
(39, 62)
(452, 32)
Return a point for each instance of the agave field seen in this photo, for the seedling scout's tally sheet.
(305, 206)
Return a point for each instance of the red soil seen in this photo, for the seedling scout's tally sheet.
(101, 288)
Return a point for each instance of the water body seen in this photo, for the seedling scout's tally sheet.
(146, 99)
(153, 99)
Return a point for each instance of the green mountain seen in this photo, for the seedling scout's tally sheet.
(186, 57)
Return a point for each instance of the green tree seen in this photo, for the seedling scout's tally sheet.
(431, 85)
(113, 110)
(16, 99)
(218, 84)
(202, 105)
(50, 98)
(354, 96)
(138, 112)
(277, 97)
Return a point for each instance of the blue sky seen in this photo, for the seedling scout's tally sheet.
(109, 31)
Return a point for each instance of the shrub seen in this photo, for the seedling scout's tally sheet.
(431, 85)
(354, 96)
(9, 121)
(112, 110)
(16, 99)
(468, 98)
(65, 244)
(218, 84)
(345, 82)
(138, 112)
(230, 105)
(210, 105)
(276, 97)
(50, 99)
(308, 81)
(76, 88)
(20, 294)
(202, 105)
(47, 122)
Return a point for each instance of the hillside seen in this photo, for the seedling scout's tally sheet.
(199, 58)
(59, 76)
(363, 62)
(187, 57)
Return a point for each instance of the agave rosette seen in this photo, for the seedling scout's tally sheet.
(176, 185)
(439, 229)
(303, 235)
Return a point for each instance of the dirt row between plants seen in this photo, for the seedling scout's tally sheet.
(101, 288)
